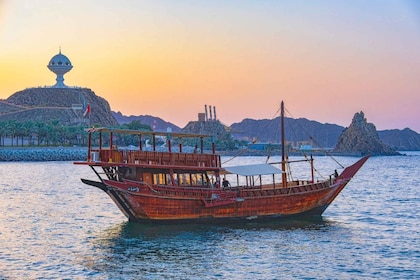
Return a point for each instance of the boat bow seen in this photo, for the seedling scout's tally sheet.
(351, 170)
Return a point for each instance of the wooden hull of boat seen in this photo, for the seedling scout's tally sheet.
(164, 208)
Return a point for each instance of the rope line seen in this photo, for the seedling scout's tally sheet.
(313, 139)
(253, 142)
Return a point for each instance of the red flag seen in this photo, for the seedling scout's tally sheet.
(87, 111)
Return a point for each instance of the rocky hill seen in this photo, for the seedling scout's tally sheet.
(208, 127)
(296, 130)
(64, 104)
(362, 137)
(402, 140)
(215, 128)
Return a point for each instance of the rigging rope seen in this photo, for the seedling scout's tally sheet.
(314, 141)
(252, 143)
(240, 152)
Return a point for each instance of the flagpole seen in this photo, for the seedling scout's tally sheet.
(87, 113)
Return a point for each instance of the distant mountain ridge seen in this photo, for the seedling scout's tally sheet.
(402, 140)
(265, 130)
(297, 130)
(160, 125)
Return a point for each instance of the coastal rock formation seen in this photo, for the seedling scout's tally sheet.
(66, 105)
(207, 127)
(362, 137)
(223, 138)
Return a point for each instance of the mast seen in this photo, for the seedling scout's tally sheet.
(283, 141)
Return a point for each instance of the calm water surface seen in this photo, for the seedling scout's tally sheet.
(54, 227)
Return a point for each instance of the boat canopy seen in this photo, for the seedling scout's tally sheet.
(252, 170)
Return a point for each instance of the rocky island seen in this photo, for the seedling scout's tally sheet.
(362, 137)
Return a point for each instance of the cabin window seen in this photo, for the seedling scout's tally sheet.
(195, 179)
(160, 178)
(192, 179)
(183, 179)
(199, 179)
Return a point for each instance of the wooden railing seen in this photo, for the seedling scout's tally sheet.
(157, 158)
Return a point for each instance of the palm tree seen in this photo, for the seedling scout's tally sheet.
(3, 132)
(12, 127)
(41, 132)
(26, 130)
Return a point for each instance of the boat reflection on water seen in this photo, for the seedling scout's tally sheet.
(192, 249)
(154, 232)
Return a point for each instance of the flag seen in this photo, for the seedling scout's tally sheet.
(87, 111)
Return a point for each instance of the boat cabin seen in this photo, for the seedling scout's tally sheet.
(172, 163)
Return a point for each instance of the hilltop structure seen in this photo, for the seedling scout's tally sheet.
(60, 65)
(68, 105)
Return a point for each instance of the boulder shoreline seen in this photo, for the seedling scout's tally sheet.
(43, 154)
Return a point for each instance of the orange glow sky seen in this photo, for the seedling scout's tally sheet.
(326, 59)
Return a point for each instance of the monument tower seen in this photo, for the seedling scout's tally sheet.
(60, 65)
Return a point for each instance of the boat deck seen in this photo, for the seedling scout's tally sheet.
(134, 157)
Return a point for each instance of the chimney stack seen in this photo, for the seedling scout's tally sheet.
(214, 111)
(211, 117)
(205, 109)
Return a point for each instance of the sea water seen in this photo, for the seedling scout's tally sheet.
(52, 226)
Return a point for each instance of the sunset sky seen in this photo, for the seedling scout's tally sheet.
(326, 59)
